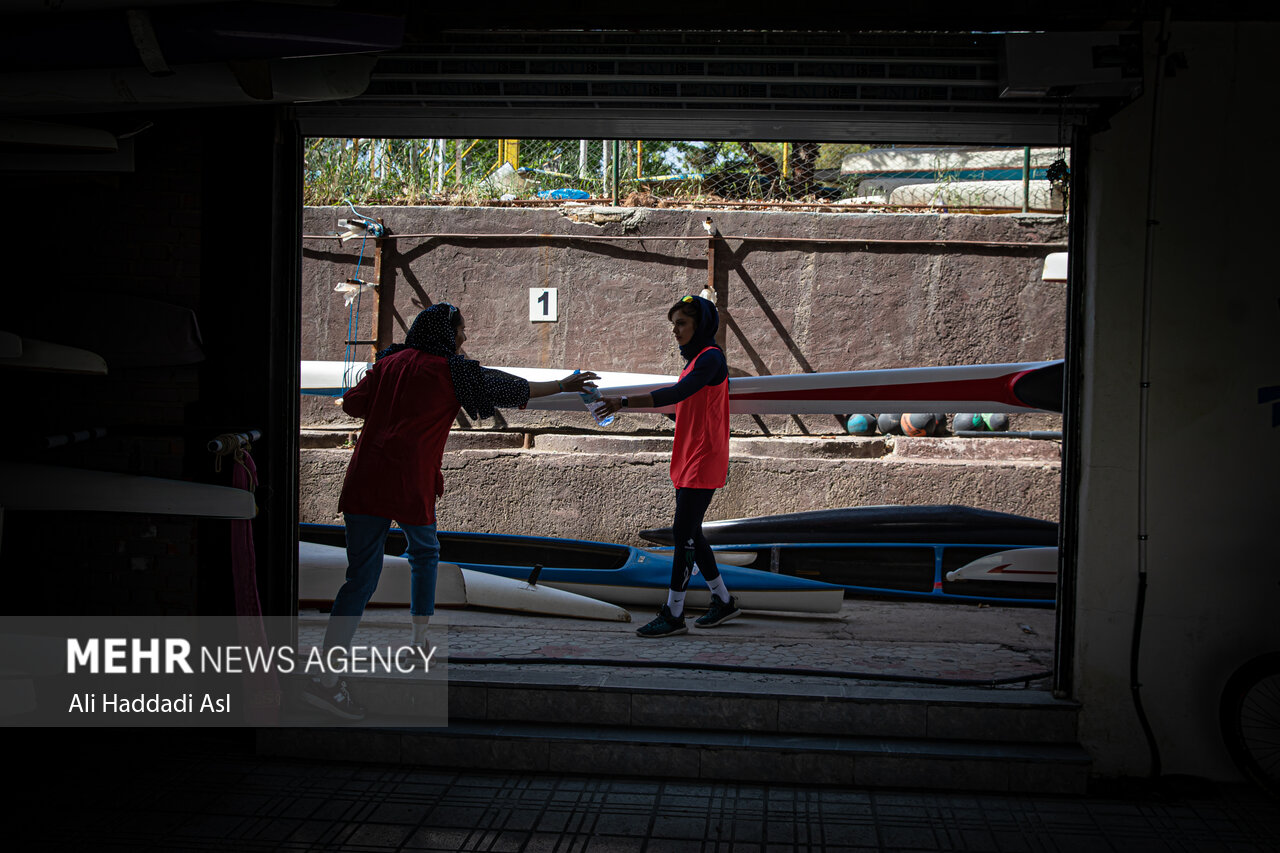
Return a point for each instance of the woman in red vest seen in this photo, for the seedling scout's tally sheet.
(408, 400)
(699, 460)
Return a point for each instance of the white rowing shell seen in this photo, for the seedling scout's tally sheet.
(322, 570)
(25, 486)
(979, 387)
(21, 353)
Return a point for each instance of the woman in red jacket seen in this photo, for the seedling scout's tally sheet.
(699, 460)
(408, 400)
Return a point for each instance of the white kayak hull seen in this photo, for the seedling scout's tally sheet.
(650, 598)
(19, 353)
(322, 570)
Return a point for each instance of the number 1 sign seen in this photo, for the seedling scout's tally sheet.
(542, 305)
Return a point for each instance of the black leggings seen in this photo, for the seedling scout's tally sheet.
(691, 545)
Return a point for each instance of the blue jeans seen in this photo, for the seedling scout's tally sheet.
(366, 539)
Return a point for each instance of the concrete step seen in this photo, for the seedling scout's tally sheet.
(694, 751)
(662, 723)
(754, 703)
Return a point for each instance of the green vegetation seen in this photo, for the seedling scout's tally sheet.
(474, 171)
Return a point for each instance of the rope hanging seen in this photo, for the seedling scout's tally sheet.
(367, 227)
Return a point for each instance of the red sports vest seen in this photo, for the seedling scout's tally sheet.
(700, 453)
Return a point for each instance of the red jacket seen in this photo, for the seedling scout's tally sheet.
(700, 452)
(408, 404)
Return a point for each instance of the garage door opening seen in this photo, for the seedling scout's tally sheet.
(822, 257)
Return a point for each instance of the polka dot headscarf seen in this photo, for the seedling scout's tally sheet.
(433, 332)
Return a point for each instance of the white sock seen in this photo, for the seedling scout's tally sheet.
(718, 589)
(420, 629)
(675, 603)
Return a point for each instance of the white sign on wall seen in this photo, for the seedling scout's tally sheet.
(542, 305)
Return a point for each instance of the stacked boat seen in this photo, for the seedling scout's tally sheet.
(938, 552)
(803, 562)
(618, 574)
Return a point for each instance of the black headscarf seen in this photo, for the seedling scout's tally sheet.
(708, 322)
(433, 332)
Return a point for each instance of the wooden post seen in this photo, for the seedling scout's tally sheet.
(720, 300)
(384, 301)
(615, 173)
(711, 263)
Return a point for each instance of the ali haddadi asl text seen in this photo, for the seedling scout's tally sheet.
(152, 703)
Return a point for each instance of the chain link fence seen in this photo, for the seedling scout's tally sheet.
(655, 173)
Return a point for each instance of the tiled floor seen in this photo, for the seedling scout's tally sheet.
(208, 791)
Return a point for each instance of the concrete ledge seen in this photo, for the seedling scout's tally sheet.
(595, 443)
(780, 447)
(485, 440)
(826, 447)
(977, 449)
(336, 437)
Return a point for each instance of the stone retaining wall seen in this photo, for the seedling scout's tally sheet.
(788, 307)
(609, 488)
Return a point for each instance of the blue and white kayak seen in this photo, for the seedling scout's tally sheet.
(934, 552)
(914, 570)
(618, 574)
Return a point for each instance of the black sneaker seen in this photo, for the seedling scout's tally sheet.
(718, 613)
(665, 625)
(335, 700)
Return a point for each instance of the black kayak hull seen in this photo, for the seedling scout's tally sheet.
(930, 524)
(887, 551)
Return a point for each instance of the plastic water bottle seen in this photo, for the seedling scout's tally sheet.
(590, 399)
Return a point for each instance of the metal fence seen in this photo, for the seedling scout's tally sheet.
(658, 173)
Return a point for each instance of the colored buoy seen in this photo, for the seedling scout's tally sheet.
(996, 421)
(918, 424)
(890, 424)
(861, 425)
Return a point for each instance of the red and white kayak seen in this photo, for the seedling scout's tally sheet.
(1013, 387)
(1019, 565)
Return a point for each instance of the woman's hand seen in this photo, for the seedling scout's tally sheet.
(609, 405)
(574, 382)
(633, 401)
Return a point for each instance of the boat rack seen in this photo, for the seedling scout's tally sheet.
(231, 442)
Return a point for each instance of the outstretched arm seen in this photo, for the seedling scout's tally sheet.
(573, 382)
(709, 369)
(508, 391)
(634, 401)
